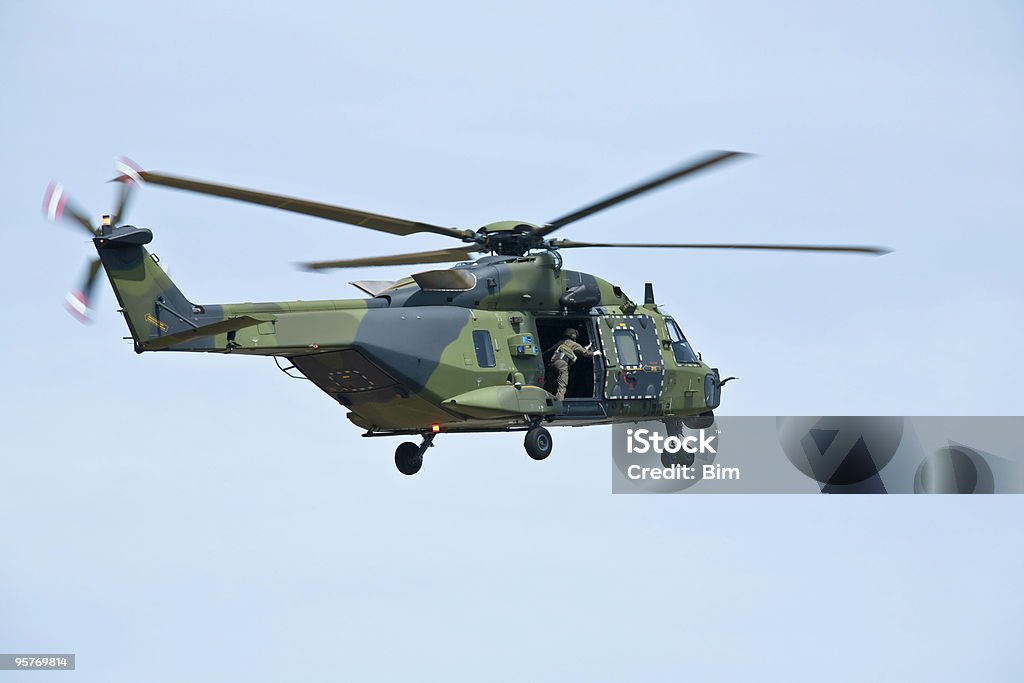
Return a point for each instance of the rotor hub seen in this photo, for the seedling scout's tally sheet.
(509, 238)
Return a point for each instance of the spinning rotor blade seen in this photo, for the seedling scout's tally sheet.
(363, 219)
(129, 178)
(840, 249)
(77, 302)
(439, 256)
(124, 196)
(57, 205)
(669, 176)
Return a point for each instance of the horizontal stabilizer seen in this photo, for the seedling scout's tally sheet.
(228, 325)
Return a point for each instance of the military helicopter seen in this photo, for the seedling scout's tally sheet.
(443, 351)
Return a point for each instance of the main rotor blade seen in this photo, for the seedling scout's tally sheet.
(439, 256)
(840, 249)
(363, 219)
(57, 205)
(669, 176)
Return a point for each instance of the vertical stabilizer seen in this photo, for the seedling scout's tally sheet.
(151, 303)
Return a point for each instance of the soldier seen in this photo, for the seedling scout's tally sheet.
(565, 355)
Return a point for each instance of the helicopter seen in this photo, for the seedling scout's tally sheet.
(444, 351)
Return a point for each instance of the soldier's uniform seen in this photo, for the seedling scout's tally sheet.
(565, 355)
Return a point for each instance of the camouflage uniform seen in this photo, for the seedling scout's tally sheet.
(565, 354)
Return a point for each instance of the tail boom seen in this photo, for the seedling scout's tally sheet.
(161, 318)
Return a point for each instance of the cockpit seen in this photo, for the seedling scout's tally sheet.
(680, 347)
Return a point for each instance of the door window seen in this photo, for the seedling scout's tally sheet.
(484, 348)
(626, 347)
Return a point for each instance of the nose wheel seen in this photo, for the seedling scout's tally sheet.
(674, 427)
(409, 456)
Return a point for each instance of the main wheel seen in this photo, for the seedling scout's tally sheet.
(538, 443)
(680, 458)
(408, 458)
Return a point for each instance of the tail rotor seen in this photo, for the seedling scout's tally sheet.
(58, 206)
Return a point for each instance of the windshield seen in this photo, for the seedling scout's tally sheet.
(680, 347)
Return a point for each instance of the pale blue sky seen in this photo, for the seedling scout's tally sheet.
(176, 516)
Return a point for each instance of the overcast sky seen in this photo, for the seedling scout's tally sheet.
(173, 516)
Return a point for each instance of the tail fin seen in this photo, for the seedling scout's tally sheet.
(152, 305)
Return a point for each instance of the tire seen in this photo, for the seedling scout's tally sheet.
(681, 458)
(538, 443)
(408, 458)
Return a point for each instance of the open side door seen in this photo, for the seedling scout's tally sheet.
(635, 369)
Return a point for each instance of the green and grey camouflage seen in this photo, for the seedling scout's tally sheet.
(464, 349)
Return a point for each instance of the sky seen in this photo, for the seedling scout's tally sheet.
(176, 515)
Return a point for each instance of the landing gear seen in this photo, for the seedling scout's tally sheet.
(681, 458)
(674, 427)
(409, 456)
(538, 443)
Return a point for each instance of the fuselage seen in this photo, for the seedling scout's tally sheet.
(459, 349)
(467, 348)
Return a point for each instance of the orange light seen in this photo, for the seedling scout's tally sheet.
(106, 221)
(435, 428)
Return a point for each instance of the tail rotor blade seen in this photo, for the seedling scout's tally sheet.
(57, 205)
(78, 301)
(124, 197)
(129, 178)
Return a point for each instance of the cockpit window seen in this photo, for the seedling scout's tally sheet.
(680, 347)
(674, 333)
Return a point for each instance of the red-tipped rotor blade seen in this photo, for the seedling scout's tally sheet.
(78, 302)
(57, 205)
(129, 177)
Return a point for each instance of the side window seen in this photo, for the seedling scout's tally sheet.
(484, 348)
(626, 347)
(680, 347)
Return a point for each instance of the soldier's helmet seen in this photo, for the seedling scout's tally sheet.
(570, 333)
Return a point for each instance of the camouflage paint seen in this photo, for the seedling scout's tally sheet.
(405, 359)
